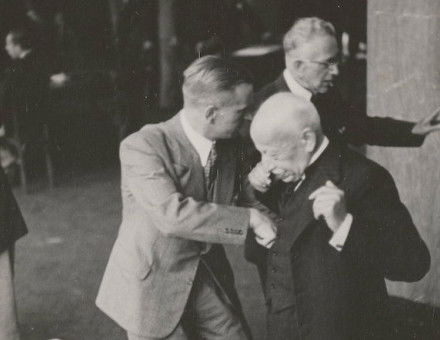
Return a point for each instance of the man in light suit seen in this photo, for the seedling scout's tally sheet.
(168, 276)
(342, 230)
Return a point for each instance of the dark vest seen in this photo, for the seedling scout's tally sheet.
(280, 285)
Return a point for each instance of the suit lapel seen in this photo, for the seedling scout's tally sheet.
(226, 173)
(186, 155)
(300, 213)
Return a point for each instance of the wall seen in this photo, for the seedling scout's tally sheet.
(404, 82)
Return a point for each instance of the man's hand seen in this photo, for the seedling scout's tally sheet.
(329, 202)
(259, 178)
(428, 124)
(264, 229)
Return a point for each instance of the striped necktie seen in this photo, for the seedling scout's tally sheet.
(210, 169)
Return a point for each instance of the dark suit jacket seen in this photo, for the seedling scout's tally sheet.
(23, 97)
(12, 225)
(343, 123)
(341, 295)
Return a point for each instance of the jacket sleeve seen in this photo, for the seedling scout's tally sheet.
(156, 190)
(382, 131)
(254, 252)
(383, 235)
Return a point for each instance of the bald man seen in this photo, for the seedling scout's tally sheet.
(342, 229)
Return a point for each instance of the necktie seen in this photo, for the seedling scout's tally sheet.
(288, 191)
(315, 99)
(210, 169)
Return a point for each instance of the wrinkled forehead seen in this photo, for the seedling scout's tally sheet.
(271, 140)
(278, 152)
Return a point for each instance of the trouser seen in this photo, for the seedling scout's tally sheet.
(8, 314)
(208, 314)
(282, 325)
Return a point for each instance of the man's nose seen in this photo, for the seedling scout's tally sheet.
(267, 162)
(334, 69)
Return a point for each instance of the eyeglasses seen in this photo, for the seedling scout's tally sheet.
(326, 64)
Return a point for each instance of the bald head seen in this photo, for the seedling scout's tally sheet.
(284, 117)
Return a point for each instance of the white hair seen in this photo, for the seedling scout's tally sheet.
(305, 29)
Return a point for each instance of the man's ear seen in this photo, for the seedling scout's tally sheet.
(293, 64)
(309, 139)
(210, 113)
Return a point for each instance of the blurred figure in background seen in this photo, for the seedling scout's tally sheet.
(24, 91)
(216, 26)
(12, 14)
(137, 51)
(42, 18)
(12, 227)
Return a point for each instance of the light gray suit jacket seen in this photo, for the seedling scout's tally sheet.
(166, 227)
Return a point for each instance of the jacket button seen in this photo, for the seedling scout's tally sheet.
(275, 253)
(272, 286)
(274, 270)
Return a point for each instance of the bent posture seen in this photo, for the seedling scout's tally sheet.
(168, 276)
(342, 229)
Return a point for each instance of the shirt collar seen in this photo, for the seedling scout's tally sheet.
(320, 150)
(295, 87)
(202, 144)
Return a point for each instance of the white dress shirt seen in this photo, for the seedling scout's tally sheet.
(295, 87)
(202, 144)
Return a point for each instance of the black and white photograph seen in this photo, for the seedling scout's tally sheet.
(220, 170)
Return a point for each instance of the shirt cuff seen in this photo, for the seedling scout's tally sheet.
(340, 236)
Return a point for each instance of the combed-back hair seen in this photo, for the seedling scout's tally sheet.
(209, 75)
(305, 29)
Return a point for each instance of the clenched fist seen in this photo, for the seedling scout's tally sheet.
(259, 178)
(329, 202)
(264, 228)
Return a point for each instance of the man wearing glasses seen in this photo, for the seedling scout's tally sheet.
(312, 65)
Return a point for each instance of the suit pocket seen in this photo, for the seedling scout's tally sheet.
(131, 263)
